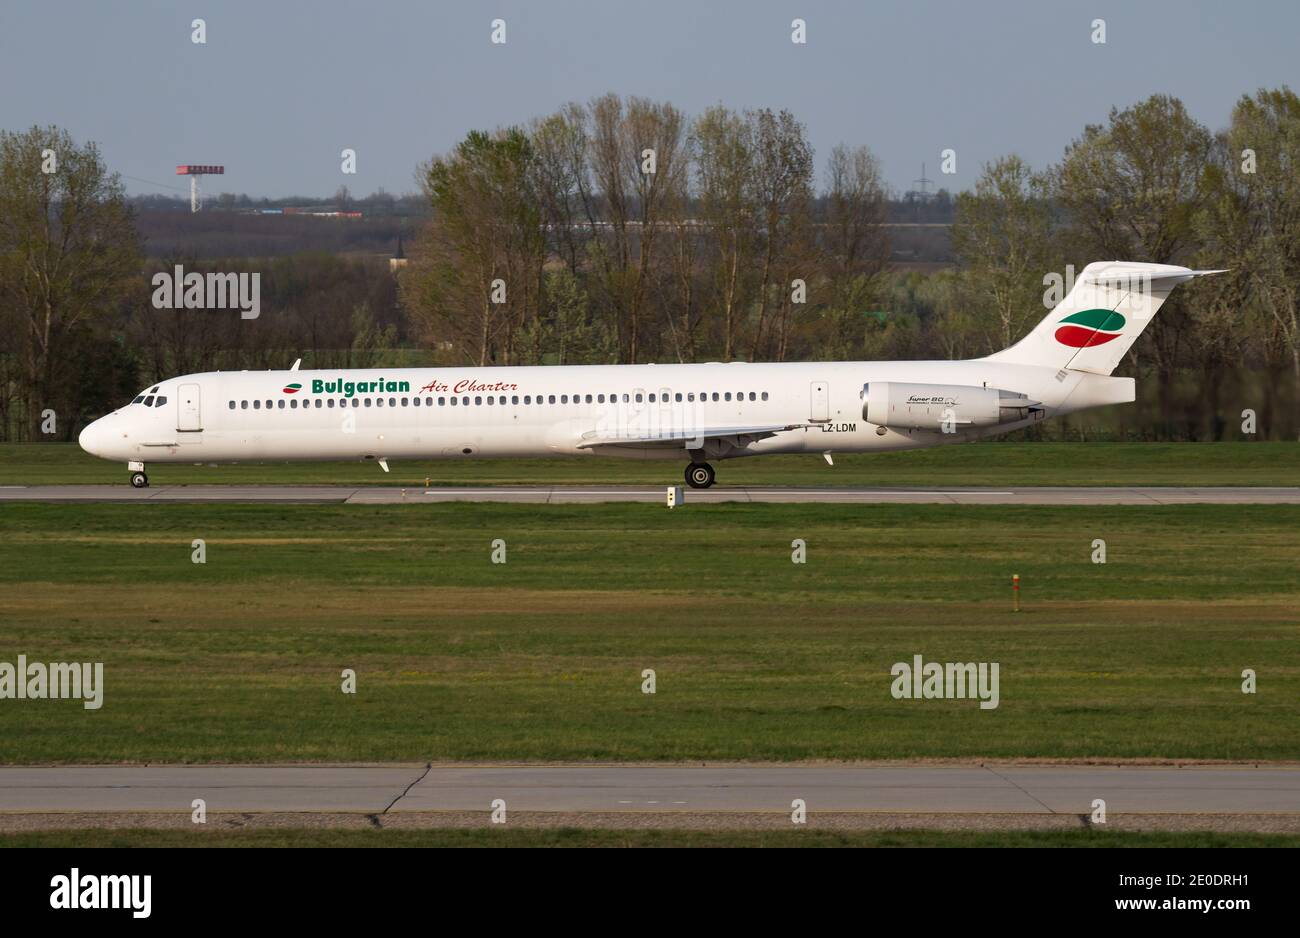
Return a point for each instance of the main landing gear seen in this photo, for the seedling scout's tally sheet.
(138, 479)
(699, 475)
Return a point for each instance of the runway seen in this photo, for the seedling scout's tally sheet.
(593, 494)
(706, 789)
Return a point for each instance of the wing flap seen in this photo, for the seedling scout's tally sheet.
(689, 438)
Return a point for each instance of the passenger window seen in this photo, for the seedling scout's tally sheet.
(715, 395)
(564, 398)
(442, 401)
(764, 395)
(331, 402)
(514, 399)
(257, 405)
(678, 397)
(478, 400)
(453, 402)
(367, 402)
(415, 402)
(281, 402)
(232, 405)
(293, 403)
(490, 400)
(379, 402)
(392, 402)
(404, 402)
(428, 402)
(243, 405)
(528, 398)
(727, 396)
(552, 399)
(751, 395)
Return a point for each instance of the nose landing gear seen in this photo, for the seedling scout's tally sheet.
(699, 475)
(138, 479)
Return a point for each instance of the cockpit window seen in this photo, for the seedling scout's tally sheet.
(161, 400)
(154, 389)
(148, 401)
(138, 399)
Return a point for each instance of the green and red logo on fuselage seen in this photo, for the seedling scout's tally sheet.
(1089, 327)
(292, 388)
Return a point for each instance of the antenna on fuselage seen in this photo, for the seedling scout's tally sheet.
(296, 363)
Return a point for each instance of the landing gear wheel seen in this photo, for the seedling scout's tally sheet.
(699, 475)
(139, 480)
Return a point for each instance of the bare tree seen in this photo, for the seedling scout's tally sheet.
(635, 151)
(782, 183)
(724, 149)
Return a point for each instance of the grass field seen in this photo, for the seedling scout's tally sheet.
(990, 463)
(584, 837)
(540, 658)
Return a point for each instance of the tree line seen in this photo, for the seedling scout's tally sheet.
(623, 230)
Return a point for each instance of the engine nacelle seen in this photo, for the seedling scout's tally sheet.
(902, 405)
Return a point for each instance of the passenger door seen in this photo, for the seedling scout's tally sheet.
(188, 416)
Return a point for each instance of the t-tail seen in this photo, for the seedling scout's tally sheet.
(1101, 317)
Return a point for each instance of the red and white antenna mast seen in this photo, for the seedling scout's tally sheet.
(194, 172)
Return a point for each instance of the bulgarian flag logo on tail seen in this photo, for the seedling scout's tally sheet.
(1089, 327)
(292, 388)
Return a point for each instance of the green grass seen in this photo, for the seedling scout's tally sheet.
(587, 837)
(990, 463)
(239, 659)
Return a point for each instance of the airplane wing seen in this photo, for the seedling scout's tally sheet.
(685, 438)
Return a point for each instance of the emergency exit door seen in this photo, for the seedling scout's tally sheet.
(820, 405)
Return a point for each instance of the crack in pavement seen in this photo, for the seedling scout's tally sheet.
(428, 767)
(1020, 788)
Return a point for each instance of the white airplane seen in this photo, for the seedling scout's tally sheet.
(691, 413)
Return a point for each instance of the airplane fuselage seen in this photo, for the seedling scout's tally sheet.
(426, 413)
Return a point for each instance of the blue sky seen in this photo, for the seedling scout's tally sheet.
(280, 88)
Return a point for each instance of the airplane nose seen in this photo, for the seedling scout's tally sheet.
(93, 438)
